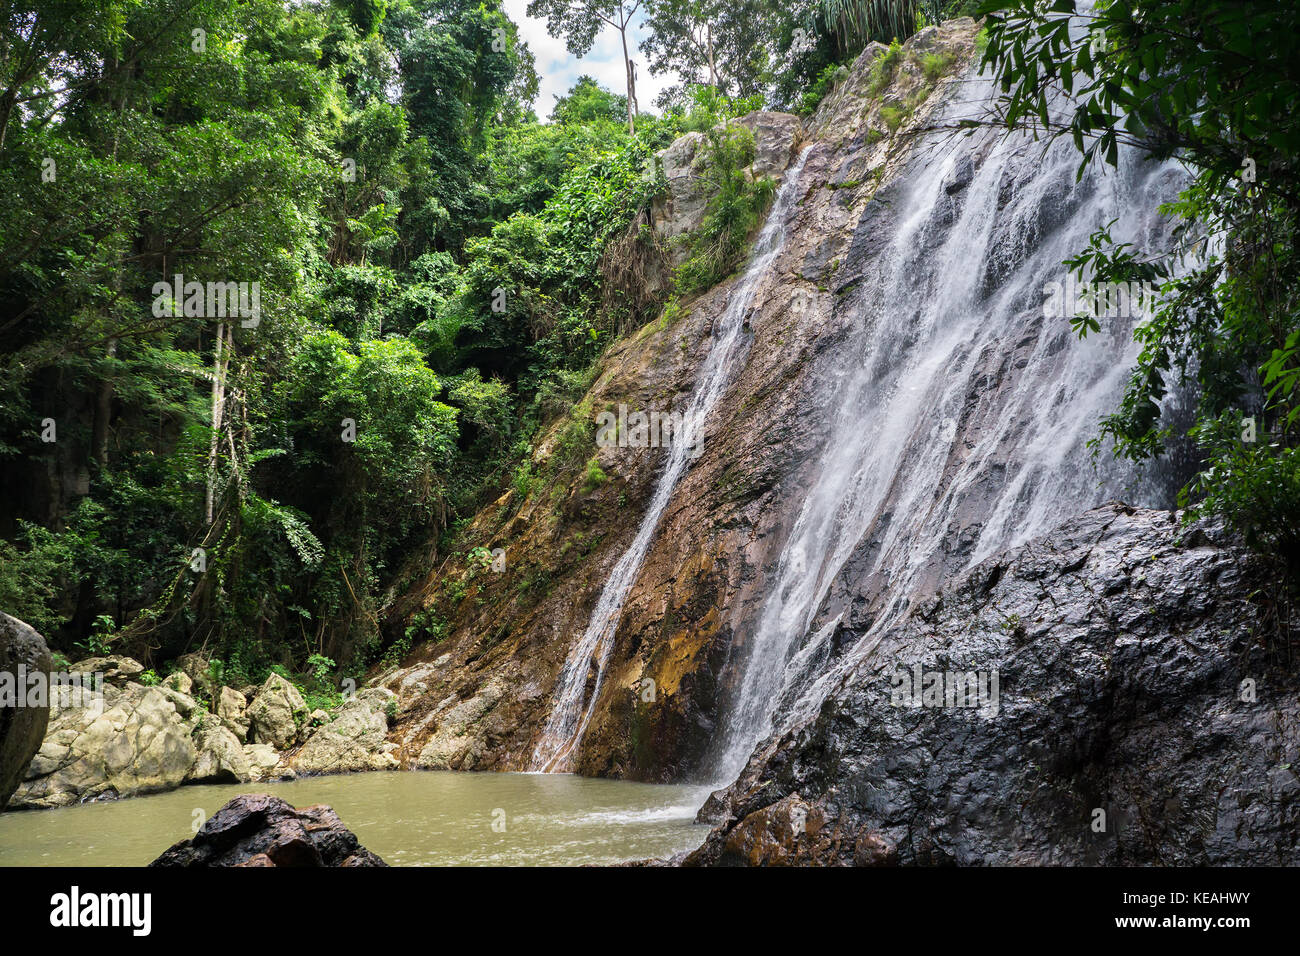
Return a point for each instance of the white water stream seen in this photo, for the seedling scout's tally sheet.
(572, 709)
(960, 414)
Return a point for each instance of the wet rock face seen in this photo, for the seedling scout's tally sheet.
(262, 830)
(21, 728)
(1139, 720)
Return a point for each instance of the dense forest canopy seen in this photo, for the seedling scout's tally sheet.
(288, 289)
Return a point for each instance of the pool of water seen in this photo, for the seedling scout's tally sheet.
(415, 818)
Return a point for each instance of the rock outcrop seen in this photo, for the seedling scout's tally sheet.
(353, 738)
(125, 738)
(1140, 717)
(22, 721)
(278, 714)
(116, 742)
(262, 830)
(682, 209)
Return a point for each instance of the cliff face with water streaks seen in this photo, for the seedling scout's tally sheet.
(478, 698)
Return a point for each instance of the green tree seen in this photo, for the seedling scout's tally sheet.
(579, 21)
(716, 43)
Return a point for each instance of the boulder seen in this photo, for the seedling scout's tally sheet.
(115, 668)
(262, 830)
(221, 757)
(232, 708)
(198, 669)
(263, 759)
(356, 739)
(21, 728)
(180, 682)
(118, 742)
(277, 714)
(185, 705)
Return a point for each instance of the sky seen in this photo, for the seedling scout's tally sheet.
(558, 69)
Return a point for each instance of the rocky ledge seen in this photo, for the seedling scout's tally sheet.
(128, 738)
(1143, 716)
(261, 830)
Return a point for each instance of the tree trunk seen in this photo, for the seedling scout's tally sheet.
(713, 70)
(218, 401)
(631, 82)
(103, 412)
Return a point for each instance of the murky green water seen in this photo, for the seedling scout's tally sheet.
(409, 819)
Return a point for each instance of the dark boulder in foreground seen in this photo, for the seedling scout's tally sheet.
(22, 728)
(261, 830)
(1145, 716)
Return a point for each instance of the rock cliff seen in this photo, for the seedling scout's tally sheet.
(1144, 715)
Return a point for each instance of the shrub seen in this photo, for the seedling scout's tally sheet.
(820, 89)
(594, 476)
(734, 211)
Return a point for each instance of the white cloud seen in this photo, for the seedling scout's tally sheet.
(558, 69)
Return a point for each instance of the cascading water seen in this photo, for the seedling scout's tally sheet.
(569, 717)
(959, 414)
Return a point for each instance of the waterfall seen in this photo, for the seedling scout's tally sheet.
(569, 717)
(959, 414)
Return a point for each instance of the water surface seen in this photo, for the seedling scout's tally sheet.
(415, 818)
